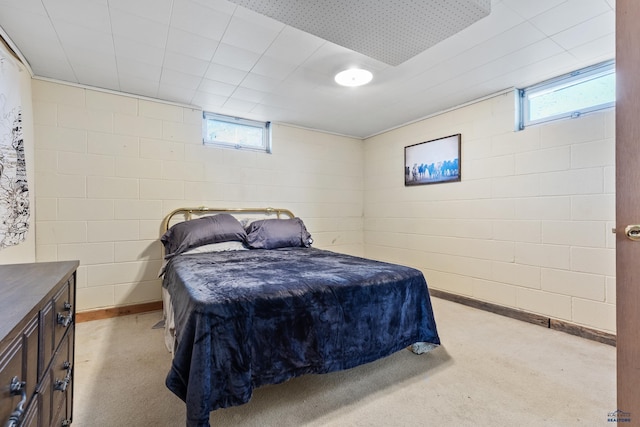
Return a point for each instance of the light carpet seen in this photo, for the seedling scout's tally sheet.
(490, 371)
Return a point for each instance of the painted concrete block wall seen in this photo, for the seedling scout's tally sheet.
(110, 167)
(528, 227)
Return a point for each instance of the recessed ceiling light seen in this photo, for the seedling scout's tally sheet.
(353, 77)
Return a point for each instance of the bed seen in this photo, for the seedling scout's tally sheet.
(249, 302)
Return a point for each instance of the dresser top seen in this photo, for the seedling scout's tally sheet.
(24, 286)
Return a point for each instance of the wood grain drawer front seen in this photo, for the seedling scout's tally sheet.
(37, 343)
(44, 400)
(46, 338)
(63, 308)
(31, 339)
(61, 378)
(32, 416)
(10, 370)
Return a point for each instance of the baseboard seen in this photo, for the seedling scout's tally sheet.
(106, 313)
(581, 331)
(537, 319)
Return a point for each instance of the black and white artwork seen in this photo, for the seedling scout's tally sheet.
(433, 161)
(14, 191)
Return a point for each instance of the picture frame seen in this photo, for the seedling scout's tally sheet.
(433, 162)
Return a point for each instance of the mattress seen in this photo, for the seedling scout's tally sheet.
(243, 319)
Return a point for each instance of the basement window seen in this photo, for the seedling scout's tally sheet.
(568, 96)
(235, 132)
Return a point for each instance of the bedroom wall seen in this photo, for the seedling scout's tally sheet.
(110, 167)
(528, 227)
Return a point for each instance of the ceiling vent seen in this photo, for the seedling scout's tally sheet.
(391, 31)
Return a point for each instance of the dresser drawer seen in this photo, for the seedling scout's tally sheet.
(57, 318)
(56, 391)
(32, 416)
(37, 343)
(18, 365)
(30, 342)
(63, 307)
(10, 372)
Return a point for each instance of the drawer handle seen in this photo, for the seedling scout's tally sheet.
(61, 385)
(65, 320)
(16, 388)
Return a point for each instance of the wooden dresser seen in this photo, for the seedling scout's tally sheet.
(37, 310)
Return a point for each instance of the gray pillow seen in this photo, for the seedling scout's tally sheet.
(278, 233)
(209, 229)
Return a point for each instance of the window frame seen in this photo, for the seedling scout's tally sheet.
(577, 77)
(265, 127)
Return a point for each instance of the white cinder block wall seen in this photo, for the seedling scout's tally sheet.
(110, 167)
(529, 226)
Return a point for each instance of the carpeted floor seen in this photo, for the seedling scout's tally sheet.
(490, 371)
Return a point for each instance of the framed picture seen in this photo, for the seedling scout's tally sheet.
(432, 162)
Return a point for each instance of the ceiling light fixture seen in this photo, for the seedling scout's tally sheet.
(353, 77)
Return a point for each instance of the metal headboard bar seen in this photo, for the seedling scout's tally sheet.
(188, 212)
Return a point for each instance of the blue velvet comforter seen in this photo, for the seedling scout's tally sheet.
(248, 318)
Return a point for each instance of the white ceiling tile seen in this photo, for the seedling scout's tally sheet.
(198, 19)
(249, 95)
(138, 29)
(587, 31)
(293, 45)
(140, 70)
(280, 100)
(285, 74)
(79, 36)
(185, 64)
(235, 57)
(176, 93)
(259, 19)
(191, 44)
(249, 35)
(126, 48)
(154, 10)
(222, 6)
(209, 101)
(260, 83)
(101, 75)
(275, 114)
(302, 79)
(94, 58)
(224, 74)
(541, 70)
(238, 105)
(500, 20)
(568, 14)
(330, 59)
(134, 84)
(176, 78)
(57, 69)
(511, 40)
(40, 30)
(596, 50)
(526, 56)
(273, 68)
(529, 9)
(28, 6)
(216, 88)
(92, 15)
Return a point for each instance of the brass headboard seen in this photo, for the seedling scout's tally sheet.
(188, 212)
